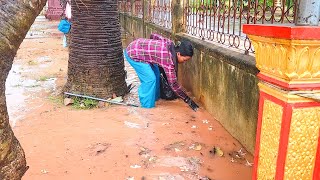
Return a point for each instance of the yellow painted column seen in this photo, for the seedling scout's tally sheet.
(287, 144)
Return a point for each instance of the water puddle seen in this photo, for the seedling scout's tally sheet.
(132, 125)
(20, 89)
(15, 95)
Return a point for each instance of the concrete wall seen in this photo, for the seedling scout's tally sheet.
(223, 81)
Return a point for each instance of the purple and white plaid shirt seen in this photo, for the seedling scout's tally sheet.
(156, 51)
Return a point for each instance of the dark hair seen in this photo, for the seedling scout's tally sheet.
(185, 48)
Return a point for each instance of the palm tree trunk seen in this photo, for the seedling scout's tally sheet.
(16, 17)
(96, 65)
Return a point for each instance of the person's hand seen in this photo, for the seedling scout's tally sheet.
(191, 103)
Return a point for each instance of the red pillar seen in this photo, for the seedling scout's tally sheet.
(54, 10)
(288, 131)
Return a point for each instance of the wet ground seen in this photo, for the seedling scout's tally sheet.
(116, 142)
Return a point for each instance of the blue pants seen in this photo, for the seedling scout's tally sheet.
(149, 75)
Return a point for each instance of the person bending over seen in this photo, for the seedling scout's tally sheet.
(145, 55)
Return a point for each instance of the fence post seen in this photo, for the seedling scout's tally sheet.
(308, 13)
(144, 16)
(132, 8)
(178, 17)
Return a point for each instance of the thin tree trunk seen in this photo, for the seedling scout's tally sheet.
(16, 17)
(96, 65)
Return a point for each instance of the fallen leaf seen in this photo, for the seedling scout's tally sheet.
(144, 151)
(153, 159)
(198, 147)
(217, 151)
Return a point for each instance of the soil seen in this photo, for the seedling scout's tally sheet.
(115, 142)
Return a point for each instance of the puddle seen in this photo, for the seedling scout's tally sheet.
(44, 61)
(132, 125)
(167, 176)
(15, 95)
(190, 164)
(19, 90)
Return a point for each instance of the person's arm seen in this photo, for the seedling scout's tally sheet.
(159, 37)
(172, 80)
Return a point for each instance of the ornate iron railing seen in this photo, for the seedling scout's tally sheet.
(124, 6)
(217, 20)
(221, 20)
(160, 13)
(138, 12)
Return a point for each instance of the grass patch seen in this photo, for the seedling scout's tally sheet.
(32, 63)
(17, 85)
(44, 78)
(56, 99)
(33, 86)
(84, 103)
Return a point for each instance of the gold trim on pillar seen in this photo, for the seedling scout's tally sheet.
(294, 61)
(269, 141)
(281, 94)
(303, 143)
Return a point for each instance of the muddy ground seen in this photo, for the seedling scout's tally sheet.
(116, 142)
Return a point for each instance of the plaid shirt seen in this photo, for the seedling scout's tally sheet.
(156, 51)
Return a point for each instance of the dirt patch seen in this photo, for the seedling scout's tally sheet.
(115, 142)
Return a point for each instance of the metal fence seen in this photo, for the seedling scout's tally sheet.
(138, 8)
(160, 13)
(221, 20)
(218, 20)
(124, 6)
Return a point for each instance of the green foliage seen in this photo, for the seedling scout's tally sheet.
(32, 86)
(56, 99)
(44, 78)
(32, 63)
(268, 2)
(84, 103)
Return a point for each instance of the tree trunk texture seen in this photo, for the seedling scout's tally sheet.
(16, 18)
(96, 63)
